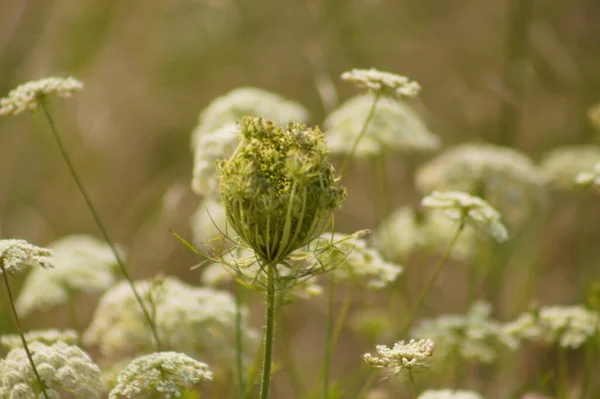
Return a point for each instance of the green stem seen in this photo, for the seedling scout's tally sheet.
(432, 279)
(328, 337)
(363, 130)
(20, 331)
(253, 374)
(99, 223)
(269, 330)
(239, 350)
(367, 386)
(587, 370)
(563, 374)
(411, 382)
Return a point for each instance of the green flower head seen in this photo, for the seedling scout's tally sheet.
(278, 188)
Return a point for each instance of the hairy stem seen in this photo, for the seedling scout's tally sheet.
(363, 130)
(99, 223)
(239, 349)
(432, 279)
(269, 333)
(20, 330)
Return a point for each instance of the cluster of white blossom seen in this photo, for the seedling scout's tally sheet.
(62, 367)
(189, 319)
(403, 356)
(246, 101)
(27, 96)
(165, 373)
(566, 326)
(82, 263)
(384, 82)
(47, 337)
(17, 255)
(505, 177)
(562, 165)
(465, 209)
(590, 178)
(449, 394)
(394, 127)
(404, 232)
(474, 336)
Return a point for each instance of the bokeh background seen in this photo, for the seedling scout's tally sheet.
(513, 72)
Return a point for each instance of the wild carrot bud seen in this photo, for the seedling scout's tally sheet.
(385, 82)
(164, 373)
(403, 356)
(449, 394)
(27, 97)
(17, 255)
(278, 188)
(465, 209)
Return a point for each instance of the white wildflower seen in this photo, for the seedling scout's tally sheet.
(566, 326)
(27, 97)
(590, 178)
(394, 127)
(449, 394)
(208, 223)
(183, 313)
(47, 337)
(474, 336)
(165, 373)
(246, 101)
(351, 259)
(562, 165)
(61, 367)
(384, 82)
(403, 356)
(82, 263)
(17, 255)
(504, 177)
(465, 209)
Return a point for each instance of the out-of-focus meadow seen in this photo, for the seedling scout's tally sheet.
(515, 73)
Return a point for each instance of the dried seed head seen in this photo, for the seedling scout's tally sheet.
(27, 97)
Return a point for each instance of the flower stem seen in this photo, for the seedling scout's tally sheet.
(329, 344)
(239, 350)
(432, 279)
(363, 130)
(20, 330)
(99, 223)
(269, 333)
(563, 374)
(411, 382)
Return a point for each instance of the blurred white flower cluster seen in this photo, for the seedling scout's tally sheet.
(405, 232)
(46, 337)
(403, 356)
(62, 368)
(394, 127)
(384, 82)
(27, 96)
(590, 178)
(562, 165)
(474, 336)
(193, 320)
(165, 373)
(465, 209)
(82, 263)
(449, 394)
(17, 255)
(504, 177)
(565, 326)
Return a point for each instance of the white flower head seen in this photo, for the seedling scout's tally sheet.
(208, 223)
(165, 373)
(17, 255)
(61, 367)
(590, 178)
(505, 177)
(27, 97)
(246, 101)
(563, 165)
(47, 337)
(384, 82)
(82, 263)
(353, 260)
(565, 326)
(465, 209)
(403, 356)
(394, 127)
(449, 394)
(183, 313)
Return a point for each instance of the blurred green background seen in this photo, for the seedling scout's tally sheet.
(510, 72)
